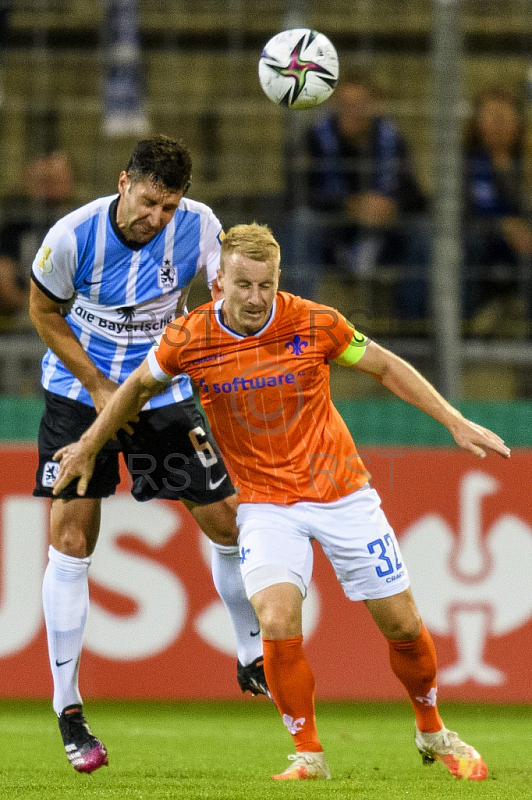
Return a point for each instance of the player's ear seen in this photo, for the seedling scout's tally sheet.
(123, 182)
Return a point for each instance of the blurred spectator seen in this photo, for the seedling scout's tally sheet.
(360, 205)
(25, 219)
(498, 234)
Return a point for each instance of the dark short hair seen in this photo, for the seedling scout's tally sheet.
(162, 160)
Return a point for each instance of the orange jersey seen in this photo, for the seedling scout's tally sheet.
(267, 398)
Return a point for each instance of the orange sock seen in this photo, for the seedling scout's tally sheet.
(414, 663)
(291, 683)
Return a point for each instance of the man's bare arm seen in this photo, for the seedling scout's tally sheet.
(57, 334)
(403, 380)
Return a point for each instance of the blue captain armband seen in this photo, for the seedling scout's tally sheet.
(354, 350)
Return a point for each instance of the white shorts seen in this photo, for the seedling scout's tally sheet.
(276, 545)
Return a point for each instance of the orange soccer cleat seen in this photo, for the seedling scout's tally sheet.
(305, 766)
(460, 758)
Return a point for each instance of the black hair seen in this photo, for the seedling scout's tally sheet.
(163, 160)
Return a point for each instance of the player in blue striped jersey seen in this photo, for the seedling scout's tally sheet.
(123, 264)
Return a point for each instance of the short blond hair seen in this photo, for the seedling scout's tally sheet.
(254, 241)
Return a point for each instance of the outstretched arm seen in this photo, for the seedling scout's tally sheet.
(77, 459)
(402, 379)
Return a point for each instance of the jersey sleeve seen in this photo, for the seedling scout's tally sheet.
(164, 358)
(54, 265)
(155, 368)
(211, 241)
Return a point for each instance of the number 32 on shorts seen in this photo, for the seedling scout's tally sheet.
(386, 552)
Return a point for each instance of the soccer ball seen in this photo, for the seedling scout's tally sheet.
(298, 68)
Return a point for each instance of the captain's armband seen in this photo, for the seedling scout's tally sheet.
(354, 350)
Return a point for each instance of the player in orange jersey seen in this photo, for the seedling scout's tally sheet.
(260, 359)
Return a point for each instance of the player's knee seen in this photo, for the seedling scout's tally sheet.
(279, 623)
(405, 629)
(72, 541)
(278, 609)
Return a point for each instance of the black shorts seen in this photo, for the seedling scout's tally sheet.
(171, 455)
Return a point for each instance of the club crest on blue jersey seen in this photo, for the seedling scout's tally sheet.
(167, 277)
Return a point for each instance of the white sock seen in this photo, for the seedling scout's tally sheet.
(230, 586)
(65, 594)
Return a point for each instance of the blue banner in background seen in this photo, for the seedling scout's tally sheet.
(123, 83)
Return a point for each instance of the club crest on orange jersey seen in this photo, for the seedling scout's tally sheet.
(297, 345)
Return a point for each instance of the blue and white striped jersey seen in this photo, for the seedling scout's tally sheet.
(124, 294)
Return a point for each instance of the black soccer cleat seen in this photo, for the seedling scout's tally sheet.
(251, 678)
(84, 751)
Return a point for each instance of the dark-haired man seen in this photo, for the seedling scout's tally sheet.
(125, 262)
